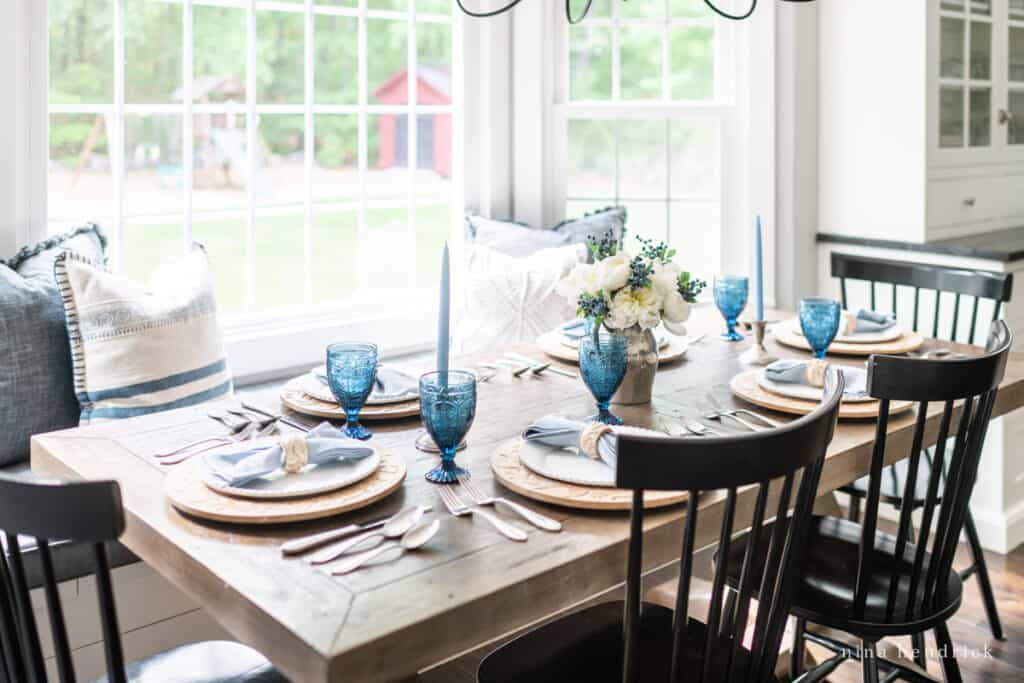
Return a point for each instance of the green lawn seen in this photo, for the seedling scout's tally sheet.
(338, 268)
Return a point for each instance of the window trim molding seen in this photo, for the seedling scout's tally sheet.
(254, 346)
(749, 129)
(23, 69)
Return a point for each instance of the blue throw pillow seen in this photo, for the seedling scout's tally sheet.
(36, 384)
(596, 225)
(518, 239)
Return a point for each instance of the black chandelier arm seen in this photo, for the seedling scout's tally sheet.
(583, 14)
(491, 13)
(735, 17)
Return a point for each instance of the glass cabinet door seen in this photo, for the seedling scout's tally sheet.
(965, 74)
(1013, 116)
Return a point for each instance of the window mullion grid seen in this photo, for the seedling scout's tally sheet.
(616, 89)
(666, 94)
(252, 144)
(187, 123)
(666, 70)
(117, 132)
(363, 127)
(309, 143)
(412, 137)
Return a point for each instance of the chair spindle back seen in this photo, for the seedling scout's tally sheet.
(761, 469)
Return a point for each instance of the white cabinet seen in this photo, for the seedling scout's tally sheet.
(921, 113)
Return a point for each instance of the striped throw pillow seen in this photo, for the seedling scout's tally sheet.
(138, 350)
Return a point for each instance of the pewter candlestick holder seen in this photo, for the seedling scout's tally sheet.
(758, 354)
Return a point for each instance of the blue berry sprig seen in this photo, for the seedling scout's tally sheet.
(655, 251)
(604, 247)
(640, 271)
(690, 287)
(593, 306)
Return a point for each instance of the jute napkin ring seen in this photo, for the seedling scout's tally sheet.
(296, 453)
(590, 436)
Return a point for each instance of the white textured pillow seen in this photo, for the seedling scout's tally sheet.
(139, 350)
(508, 300)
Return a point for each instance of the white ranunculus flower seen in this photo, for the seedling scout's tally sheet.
(665, 278)
(634, 307)
(649, 318)
(613, 272)
(582, 278)
(675, 308)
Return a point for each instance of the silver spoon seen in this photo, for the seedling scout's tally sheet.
(699, 429)
(395, 527)
(415, 539)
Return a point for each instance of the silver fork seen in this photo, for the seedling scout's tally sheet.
(718, 412)
(480, 498)
(757, 416)
(695, 427)
(250, 432)
(236, 427)
(459, 509)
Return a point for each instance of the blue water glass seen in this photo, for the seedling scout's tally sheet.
(448, 406)
(603, 365)
(351, 374)
(731, 297)
(819, 320)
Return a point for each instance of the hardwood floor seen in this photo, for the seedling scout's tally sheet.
(993, 660)
(988, 659)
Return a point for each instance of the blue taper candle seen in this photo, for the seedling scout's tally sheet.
(759, 269)
(444, 314)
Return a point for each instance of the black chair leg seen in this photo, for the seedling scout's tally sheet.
(869, 661)
(950, 669)
(853, 512)
(917, 642)
(796, 656)
(981, 571)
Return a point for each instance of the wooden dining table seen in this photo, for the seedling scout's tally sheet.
(470, 585)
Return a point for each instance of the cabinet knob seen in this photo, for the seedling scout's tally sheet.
(1005, 116)
(969, 201)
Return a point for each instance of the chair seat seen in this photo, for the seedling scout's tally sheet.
(215, 661)
(825, 594)
(894, 481)
(587, 647)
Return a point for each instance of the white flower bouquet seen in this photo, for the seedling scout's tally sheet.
(621, 290)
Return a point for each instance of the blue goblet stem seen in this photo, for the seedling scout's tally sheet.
(731, 334)
(604, 414)
(448, 472)
(352, 427)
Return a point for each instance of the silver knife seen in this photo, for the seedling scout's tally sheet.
(526, 359)
(301, 545)
(280, 418)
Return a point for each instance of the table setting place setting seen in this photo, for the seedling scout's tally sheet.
(632, 309)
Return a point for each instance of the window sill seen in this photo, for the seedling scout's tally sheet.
(263, 350)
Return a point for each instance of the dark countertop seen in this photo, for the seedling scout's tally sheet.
(1003, 245)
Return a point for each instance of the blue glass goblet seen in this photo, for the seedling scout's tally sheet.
(351, 374)
(731, 298)
(819, 320)
(448, 406)
(603, 365)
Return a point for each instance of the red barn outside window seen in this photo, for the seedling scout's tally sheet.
(433, 131)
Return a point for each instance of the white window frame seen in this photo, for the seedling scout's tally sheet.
(259, 346)
(541, 110)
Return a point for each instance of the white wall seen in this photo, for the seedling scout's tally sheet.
(796, 135)
(872, 154)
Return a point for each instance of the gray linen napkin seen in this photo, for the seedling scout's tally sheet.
(795, 372)
(561, 432)
(325, 444)
(392, 384)
(870, 321)
(574, 329)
